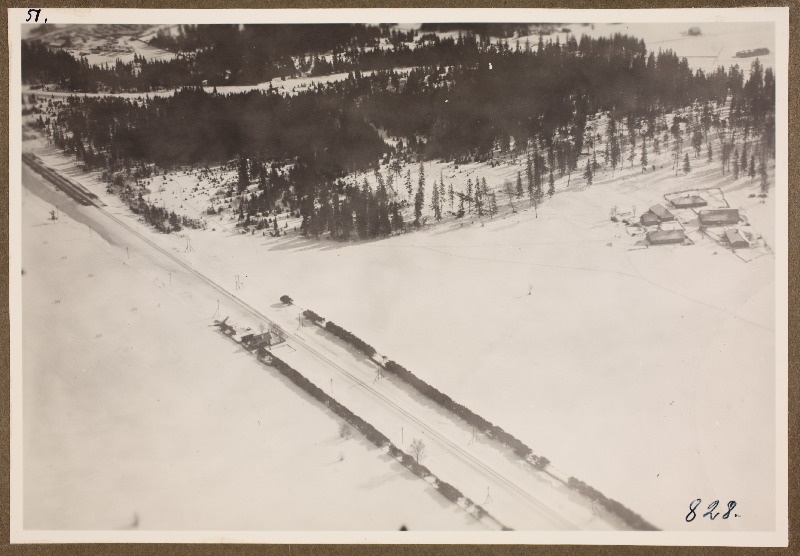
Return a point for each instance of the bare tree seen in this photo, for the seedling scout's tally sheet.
(417, 449)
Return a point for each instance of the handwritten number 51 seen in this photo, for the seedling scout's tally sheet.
(35, 16)
(710, 514)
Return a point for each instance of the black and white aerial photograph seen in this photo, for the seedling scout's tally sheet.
(403, 276)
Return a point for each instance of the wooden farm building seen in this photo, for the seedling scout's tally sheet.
(689, 201)
(718, 217)
(253, 341)
(648, 219)
(663, 214)
(735, 239)
(656, 214)
(665, 237)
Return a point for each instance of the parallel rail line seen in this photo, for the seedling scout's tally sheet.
(552, 515)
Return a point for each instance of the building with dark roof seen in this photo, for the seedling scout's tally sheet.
(663, 214)
(665, 237)
(718, 217)
(735, 239)
(656, 215)
(688, 201)
(648, 219)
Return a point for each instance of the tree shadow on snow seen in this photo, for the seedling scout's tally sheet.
(301, 243)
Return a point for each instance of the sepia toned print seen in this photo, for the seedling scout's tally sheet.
(309, 280)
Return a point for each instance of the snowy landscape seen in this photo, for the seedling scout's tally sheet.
(277, 305)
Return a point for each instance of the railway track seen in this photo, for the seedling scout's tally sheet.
(562, 522)
(74, 190)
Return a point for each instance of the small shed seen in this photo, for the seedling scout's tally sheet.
(718, 217)
(665, 237)
(735, 239)
(689, 201)
(662, 213)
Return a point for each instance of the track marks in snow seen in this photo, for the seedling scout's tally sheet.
(635, 276)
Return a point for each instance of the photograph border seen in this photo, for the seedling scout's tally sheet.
(784, 279)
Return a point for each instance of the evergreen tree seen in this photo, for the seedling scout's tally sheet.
(736, 165)
(436, 204)
(572, 160)
(363, 210)
(552, 183)
(450, 195)
(262, 177)
(478, 197)
(726, 156)
(409, 187)
(419, 200)
(752, 172)
(537, 178)
(519, 184)
(390, 184)
(710, 152)
(335, 225)
(686, 166)
(537, 174)
(469, 195)
(611, 129)
(492, 204)
(384, 224)
(644, 156)
(762, 169)
(346, 222)
(615, 152)
(587, 174)
(421, 181)
(244, 177)
(677, 143)
(561, 159)
(743, 165)
(397, 217)
(529, 175)
(697, 141)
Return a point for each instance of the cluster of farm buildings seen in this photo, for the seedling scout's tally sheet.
(704, 210)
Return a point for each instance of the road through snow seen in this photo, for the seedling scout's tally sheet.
(513, 492)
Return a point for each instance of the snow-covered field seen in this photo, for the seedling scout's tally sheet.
(100, 44)
(649, 374)
(716, 45)
(128, 425)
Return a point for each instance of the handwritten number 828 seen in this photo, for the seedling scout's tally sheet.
(710, 514)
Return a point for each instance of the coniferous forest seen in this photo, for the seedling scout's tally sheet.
(464, 98)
